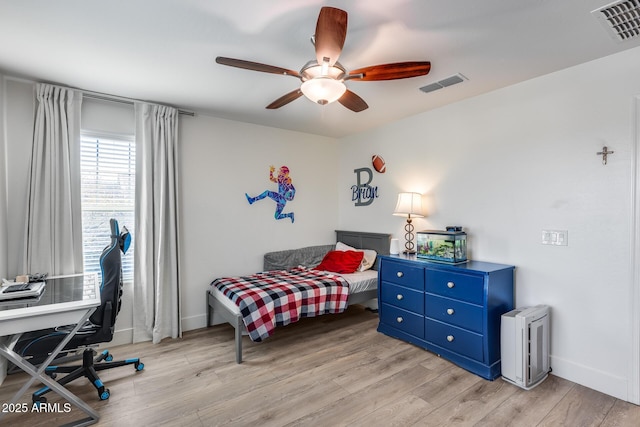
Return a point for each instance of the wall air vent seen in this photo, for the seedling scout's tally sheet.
(621, 19)
(449, 81)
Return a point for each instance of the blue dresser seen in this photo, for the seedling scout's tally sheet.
(451, 310)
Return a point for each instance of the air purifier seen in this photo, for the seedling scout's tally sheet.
(524, 346)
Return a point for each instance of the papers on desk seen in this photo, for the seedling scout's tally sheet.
(13, 291)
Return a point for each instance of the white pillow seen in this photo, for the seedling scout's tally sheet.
(368, 259)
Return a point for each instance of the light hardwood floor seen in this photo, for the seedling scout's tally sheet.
(333, 370)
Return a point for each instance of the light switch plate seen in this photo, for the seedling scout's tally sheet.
(555, 237)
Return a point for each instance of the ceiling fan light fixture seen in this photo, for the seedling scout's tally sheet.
(323, 77)
(323, 90)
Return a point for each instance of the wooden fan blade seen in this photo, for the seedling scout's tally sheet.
(285, 99)
(331, 32)
(255, 66)
(353, 102)
(398, 70)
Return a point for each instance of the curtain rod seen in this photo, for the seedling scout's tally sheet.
(129, 101)
(96, 95)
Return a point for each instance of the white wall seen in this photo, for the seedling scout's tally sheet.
(221, 234)
(3, 184)
(3, 208)
(19, 104)
(510, 163)
(108, 117)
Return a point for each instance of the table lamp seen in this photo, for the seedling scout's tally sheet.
(409, 205)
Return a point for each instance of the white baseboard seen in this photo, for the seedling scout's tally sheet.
(603, 382)
(125, 336)
(121, 337)
(194, 322)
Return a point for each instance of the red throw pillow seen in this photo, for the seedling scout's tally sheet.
(341, 261)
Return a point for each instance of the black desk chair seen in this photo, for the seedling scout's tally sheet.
(99, 328)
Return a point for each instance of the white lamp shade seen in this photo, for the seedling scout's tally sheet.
(323, 90)
(409, 205)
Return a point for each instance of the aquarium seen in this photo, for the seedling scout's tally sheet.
(443, 246)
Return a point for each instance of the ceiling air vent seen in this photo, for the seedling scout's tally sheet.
(621, 19)
(449, 81)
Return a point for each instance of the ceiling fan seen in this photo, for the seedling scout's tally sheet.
(323, 78)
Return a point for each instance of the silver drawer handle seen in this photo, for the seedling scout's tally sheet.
(450, 285)
(450, 311)
(399, 274)
(450, 338)
(400, 297)
(399, 319)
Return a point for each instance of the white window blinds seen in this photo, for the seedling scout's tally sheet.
(108, 191)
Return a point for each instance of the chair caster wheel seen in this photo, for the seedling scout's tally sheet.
(139, 366)
(52, 375)
(105, 394)
(105, 355)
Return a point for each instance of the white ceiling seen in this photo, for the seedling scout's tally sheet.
(164, 51)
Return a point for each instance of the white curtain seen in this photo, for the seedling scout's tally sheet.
(54, 216)
(156, 267)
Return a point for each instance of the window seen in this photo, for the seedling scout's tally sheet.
(108, 191)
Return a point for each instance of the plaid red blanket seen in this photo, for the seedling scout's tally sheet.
(277, 298)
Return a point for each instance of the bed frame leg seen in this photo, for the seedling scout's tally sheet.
(234, 320)
(238, 327)
(208, 309)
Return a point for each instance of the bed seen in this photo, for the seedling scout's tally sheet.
(361, 288)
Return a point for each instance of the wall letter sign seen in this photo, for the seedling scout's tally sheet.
(362, 193)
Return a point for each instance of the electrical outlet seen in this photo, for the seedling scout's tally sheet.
(555, 237)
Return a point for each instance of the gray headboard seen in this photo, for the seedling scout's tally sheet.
(311, 256)
(379, 242)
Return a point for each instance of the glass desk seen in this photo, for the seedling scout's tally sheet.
(66, 300)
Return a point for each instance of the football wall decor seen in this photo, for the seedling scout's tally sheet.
(378, 164)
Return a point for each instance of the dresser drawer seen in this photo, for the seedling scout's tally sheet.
(455, 312)
(455, 339)
(455, 285)
(403, 320)
(402, 274)
(399, 296)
